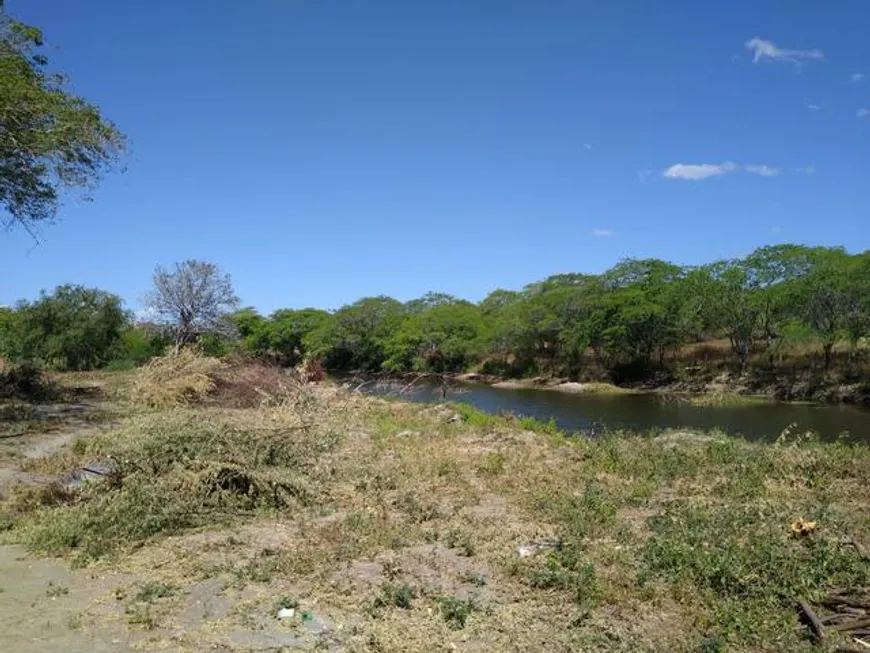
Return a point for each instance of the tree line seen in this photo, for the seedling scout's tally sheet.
(627, 324)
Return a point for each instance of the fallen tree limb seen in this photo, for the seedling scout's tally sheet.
(851, 625)
(834, 600)
(835, 617)
(814, 622)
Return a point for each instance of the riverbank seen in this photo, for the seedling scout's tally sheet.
(591, 413)
(389, 526)
(722, 389)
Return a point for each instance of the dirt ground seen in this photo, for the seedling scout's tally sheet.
(41, 599)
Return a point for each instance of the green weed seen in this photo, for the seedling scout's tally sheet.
(741, 562)
(461, 540)
(456, 611)
(179, 469)
(54, 591)
(473, 578)
(286, 603)
(538, 426)
(475, 417)
(398, 596)
(149, 592)
(493, 464)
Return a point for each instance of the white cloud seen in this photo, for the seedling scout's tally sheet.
(863, 113)
(587, 146)
(807, 170)
(696, 171)
(603, 233)
(857, 78)
(763, 170)
(766, 51)
(814, 107)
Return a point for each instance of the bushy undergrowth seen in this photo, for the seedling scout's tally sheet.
(172, 471)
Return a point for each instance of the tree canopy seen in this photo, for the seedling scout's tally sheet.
(624, 323)
(72, 328)
(50, 138)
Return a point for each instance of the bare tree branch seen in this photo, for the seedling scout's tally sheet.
(193, 298)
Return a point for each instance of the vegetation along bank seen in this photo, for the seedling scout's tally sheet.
(786, 321)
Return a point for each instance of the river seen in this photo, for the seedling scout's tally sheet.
(646, 412)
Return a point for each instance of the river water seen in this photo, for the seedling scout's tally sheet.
(646, 412)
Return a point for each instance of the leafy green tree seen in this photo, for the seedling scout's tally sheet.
(566, 307)
(498, 300)
(430, 300)
(856, 315)
(497, 310)
(49, 138)
(282, 336)
(252, 330)
(10, 330)
(770, 276)
(729, 305)
(288, 331)
(827, 291)
(73, 328)
(356, 336)
(642, 273)
(643, 310)
(447, 337)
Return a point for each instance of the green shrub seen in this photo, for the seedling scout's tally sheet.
(456, 611)
(398, 596)
(140, 344)
(120, 365)
(213, 345)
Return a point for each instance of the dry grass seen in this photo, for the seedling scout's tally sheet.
(170, 381)
(252, 384)
(398, 526)
(190, 378)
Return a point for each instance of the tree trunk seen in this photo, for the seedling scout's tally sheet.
(743, 353)
(827, 347)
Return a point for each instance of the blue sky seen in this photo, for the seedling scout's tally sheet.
(320, 151)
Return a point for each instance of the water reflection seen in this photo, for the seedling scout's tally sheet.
(639, 412)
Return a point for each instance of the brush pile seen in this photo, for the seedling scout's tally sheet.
(170, 381)
(844, 613)
(190, 378)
